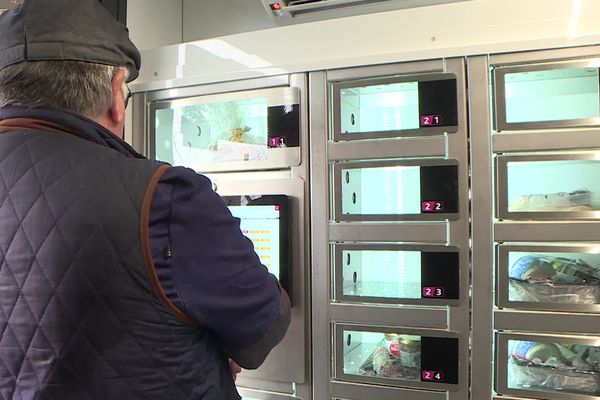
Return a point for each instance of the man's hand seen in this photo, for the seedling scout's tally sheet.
(235, 369)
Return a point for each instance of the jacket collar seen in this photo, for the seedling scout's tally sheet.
(14, 118)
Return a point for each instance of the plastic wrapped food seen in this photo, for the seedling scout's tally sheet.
(524, 374)
(550, 292)
(577, 200)
(552, 279)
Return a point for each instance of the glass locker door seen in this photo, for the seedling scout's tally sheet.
(548, 95)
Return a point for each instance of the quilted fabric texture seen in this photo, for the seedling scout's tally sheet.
(78, 318)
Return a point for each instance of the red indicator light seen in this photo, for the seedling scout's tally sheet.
(275, 6)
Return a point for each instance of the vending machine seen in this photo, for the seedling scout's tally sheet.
(390, 232)
(250, 138)
(540, 140)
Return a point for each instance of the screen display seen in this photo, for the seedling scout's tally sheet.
(265, 221)
(260, 224)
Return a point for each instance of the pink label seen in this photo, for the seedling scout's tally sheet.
(394, 349)
(432, 376)
(276, 141)
(432, 206)
(431, 120)
(432, 291)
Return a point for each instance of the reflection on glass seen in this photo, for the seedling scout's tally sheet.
(381, 191)
(553, 186)
(380, 108)
(552, 95)
(212, 132)
(379, 273)
(554, 367)
(386, 355)
(546, 277)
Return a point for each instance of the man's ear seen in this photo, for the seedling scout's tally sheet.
(117, 107)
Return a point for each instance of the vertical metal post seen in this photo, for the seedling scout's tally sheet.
(482, 260)
(319, 205)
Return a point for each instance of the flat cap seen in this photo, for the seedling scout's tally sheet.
(75, 30)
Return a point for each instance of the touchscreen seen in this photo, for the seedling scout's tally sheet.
(260, 224)
(264, 219)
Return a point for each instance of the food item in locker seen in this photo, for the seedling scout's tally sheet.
(537, 352)
(384, 364)
(578, 356)
(577, 200)
(406, 348)
(531, 267)
(390, 342)
(551, 292)
(574, 271)
(527, 369)
(534, 267)
(523, 375)
(381, 363)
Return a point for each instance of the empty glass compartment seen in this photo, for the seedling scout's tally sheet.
(553, 277)
(384, 190)
(390, 106)
(550, 366)
(391, 275)
(403, 356)
(548, 96)
(551, 186)
(224, 128)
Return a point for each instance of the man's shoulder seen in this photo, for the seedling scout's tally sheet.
(178, 175)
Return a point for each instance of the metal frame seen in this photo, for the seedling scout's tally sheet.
(551, 140)
(407, 232)
(338, 329)
(451, 320)
(391, 148)
(264, 395)
(501, 164)
(287, 372)
(547, 231)
(338, 274)
(521, 138)
(502, 279)
(337, 187)
(145, 94)
(500, 98)
(354, 391)
(482, 274)
(564, 322)
(319, 257)
(139, 123)
(416, 316)
(501, 383)
(337, 87)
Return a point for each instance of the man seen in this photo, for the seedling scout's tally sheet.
(120, 277)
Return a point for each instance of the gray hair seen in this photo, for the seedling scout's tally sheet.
(80, 87)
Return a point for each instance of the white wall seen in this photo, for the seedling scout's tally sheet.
(210, 18)
(154, 23)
